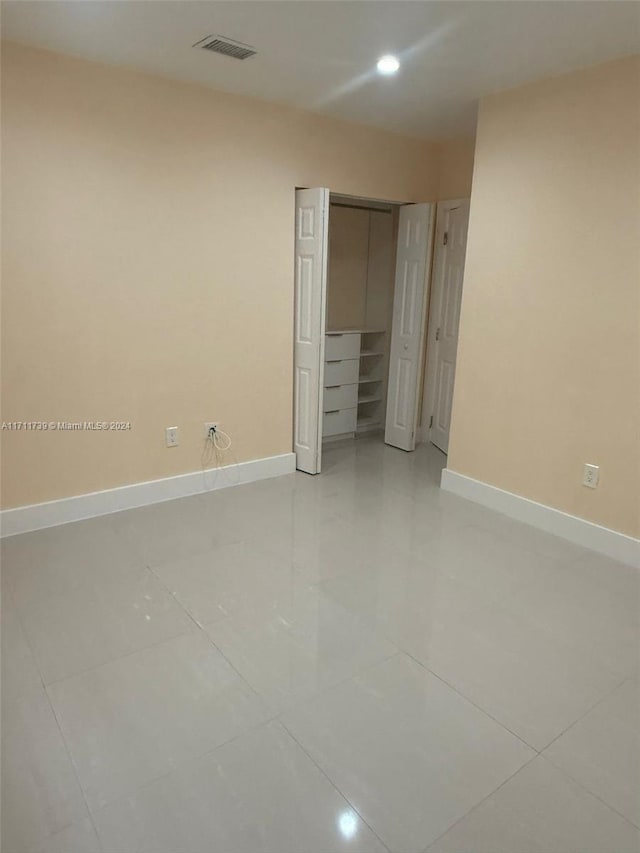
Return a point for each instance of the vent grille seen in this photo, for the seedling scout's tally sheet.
(226, 46)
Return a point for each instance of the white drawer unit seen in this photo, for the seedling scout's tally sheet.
(341, 345)
(353, 398)
(339, 421)
(342, 372)
(340, 397)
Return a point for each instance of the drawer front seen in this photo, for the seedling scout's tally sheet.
(340, 397)
(335, 423)
(341, 372)
(341, 346)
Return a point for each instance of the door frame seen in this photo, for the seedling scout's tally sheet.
(429, 388)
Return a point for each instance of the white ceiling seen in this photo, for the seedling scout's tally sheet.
(321, 55)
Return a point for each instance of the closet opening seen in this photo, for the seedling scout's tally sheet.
(361, 292)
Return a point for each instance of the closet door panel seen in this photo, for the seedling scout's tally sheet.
(312, 208)
(413, 263)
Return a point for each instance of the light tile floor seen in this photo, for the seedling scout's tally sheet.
(350, 662)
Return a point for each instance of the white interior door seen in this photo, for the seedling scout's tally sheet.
(448, 273)
(312, 219)
(413, 262)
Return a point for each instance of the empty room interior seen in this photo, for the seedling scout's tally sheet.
(320, 447)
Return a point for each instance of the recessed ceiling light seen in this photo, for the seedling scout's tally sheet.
(388, 64)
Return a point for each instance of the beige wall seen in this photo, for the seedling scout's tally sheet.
(548, 373)
(455, 168)
(148, 264)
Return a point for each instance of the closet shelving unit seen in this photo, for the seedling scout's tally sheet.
(355, 381)
(372, 380)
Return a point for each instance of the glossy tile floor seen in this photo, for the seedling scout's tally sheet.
(349, 662)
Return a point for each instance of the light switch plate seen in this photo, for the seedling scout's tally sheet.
(171, 434)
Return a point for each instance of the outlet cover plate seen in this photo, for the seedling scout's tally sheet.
(591, 475)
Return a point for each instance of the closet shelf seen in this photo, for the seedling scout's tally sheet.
(368, 353)
(356, 332)
(367, 380)
(374, 399)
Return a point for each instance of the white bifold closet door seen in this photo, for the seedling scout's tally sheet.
(311, 255)
(413, 264)
(446, 298)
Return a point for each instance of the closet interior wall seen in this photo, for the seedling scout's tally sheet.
(361, 266)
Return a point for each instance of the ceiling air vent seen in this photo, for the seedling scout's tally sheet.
(226, 46)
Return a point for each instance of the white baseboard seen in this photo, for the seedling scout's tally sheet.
(22, 519)
(615, 545)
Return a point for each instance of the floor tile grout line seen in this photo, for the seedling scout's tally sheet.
(471, 702)
(399, 653)
(589, 791)
(564, 770)
(174, 597)
(67, 749)
(200, 628)
(483, 800)
(126, 655)
(57, 722)
(546, 746)
(332, 783)
(330, 687)
(16, 611)
(587, 712)
(504, 726)
(277, 712)
(144, 565)
(374, 625)
(316, 694)
(110, 660)
(75, 769)
(541, 752)
(192, 759)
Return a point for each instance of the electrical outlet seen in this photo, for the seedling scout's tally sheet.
(591, 475)
(208, 426)
(171, 434)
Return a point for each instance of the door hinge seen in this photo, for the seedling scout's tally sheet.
(438, 333)
(446, 238)
(430, 421)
